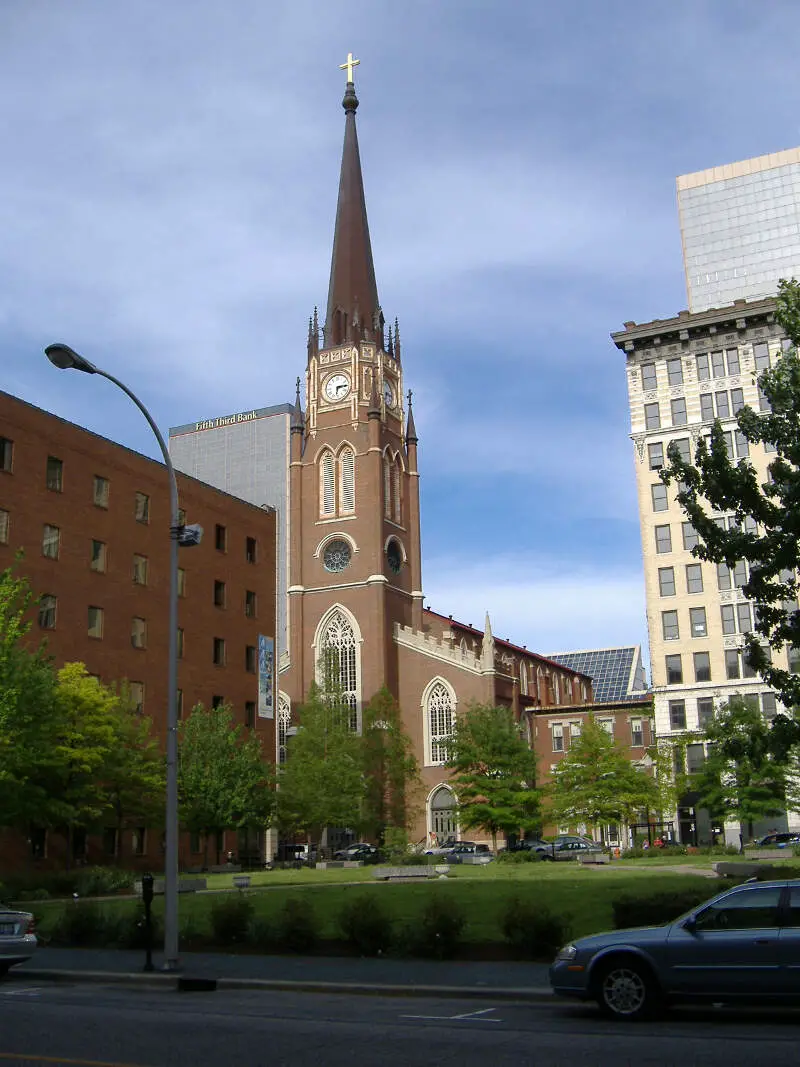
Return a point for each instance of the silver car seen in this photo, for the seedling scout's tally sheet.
(741, 945)
(17, 939)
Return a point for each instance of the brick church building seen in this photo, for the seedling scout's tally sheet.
(354, 583)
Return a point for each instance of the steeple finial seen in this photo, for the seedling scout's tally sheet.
(352, 279)
(298, 423)
(411, 430)
(396, 340)
(389, 343)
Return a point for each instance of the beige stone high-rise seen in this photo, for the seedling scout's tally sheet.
(683, 373)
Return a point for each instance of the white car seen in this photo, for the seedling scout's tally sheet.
(17, 939)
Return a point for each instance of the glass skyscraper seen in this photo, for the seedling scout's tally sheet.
(740, 228)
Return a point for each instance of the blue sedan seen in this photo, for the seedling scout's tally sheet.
(741, 945)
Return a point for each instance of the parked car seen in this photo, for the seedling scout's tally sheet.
(779, 840)
(362, 851)
(17, 937)
(530, 844)
(446, 846)
(476, 852)
(742, 945)
(562, 838)
(570, 850)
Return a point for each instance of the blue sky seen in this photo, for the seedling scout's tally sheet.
(167, 197)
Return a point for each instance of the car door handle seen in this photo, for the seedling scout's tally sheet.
(762, 941)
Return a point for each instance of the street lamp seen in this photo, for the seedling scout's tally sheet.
(65, 358)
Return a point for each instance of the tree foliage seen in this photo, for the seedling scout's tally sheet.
(391, 772)
(28, 711)
(223, 781)
(740, 779)
(322, 782)
(766, 533)
(595, 783)
(494, 773)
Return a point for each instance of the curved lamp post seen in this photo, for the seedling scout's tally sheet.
(65, 358)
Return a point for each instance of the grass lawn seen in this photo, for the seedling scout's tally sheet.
(481, 892)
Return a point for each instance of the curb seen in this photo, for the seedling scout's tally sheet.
(176, 982)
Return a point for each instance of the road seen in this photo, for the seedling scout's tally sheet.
(80, 1025)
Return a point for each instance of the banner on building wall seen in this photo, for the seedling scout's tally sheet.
(266, 677)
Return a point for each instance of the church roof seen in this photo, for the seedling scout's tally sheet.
(617, 673)
(352, 290)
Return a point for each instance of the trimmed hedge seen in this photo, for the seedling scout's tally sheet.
(533, 931)
(656, 909)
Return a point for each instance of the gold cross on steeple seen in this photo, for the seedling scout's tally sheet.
(348, 66)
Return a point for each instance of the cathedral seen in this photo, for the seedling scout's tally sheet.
(354, 568)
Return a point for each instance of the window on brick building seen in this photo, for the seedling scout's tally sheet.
(47, 611)
(6, 455)
(219, 594)
(677, 714)
(54, 477)
(702, 667)
(141, 507)
(250, 714)
(180, 642)
(181, 582)
(251, 550)
(655, 455)
(251, 659)
(139, 632)
(51, 541)
(705, 712)
(669, 625)
(250, 604)
(637, 733)
(220, 538)
(140, 569)
(557, 732)
(663, 539)
(97, 559)
(136, 692)
(694, 578)
(5, 526)
(100, 491)
(217, 701)
(666, 581)
(674, 669)
(218, 653)
(95, 622)
(652, 417)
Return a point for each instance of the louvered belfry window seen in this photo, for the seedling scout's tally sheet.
(396, 491)
(347, 462)
(327, 485)
(387, 487)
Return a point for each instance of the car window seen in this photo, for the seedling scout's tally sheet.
(793, 911)
(750, 909)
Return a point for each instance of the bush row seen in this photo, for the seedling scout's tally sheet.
(85, 881)
(532, 931)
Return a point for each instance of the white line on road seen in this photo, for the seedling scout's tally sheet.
(468, 1016)
(33, 992)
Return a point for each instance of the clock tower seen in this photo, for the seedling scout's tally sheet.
(354, 523)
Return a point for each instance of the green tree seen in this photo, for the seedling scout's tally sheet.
(766, 533)
(82, 749)
(494, 773)
(322, 782)
(134, 771)
(223, 780)
(740, 779)
(28, 712)
(391, 772)
(595, 783)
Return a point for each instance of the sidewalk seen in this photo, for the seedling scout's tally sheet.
(392, 977)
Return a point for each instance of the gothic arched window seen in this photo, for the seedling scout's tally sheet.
(340, 661)
(439, 713)
(387, 487)
(396, 490)
(347, 481)
(284, 721)
(523, 679)
(327, 485)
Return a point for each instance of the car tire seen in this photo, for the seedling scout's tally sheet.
(626, 990)
(4, 969)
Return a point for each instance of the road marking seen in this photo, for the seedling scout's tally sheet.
(467, 1016)
(29, 992)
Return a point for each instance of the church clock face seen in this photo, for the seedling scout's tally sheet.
(337, 387)
(388, 394)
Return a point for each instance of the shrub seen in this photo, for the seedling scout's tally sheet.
(523, 855)
(261, 934)
(128, 930)
(230, 918)
(439, 929)
(366, 925)
(298, 926)
(395, 844)
(655, 909)
(102, 881)
(533, 931)
(82, 924)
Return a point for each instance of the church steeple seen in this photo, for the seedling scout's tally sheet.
(353, 311)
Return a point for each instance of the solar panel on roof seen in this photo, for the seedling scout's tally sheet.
(614, 671)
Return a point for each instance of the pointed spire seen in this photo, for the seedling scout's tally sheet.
(374, 409)
(396, 341)
(352, 271)
(316, 330)
(487, 645)
(487, 628)
(411, 430)
(298, 422)
(389, 343)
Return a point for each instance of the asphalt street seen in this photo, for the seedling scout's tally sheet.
(83, 1025)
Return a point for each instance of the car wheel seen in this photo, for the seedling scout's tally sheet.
(625, 989)
(4, 969)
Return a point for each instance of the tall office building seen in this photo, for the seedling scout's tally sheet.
(740, 229)
(683, 373)
(245, 454)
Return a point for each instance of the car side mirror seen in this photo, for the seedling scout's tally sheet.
(690, 924)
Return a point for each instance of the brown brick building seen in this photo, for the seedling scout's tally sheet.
(92, 519)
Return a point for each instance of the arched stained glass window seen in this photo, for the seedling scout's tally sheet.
(347, 466)
(387, 487)
(440, 721)
(284, 721)
(327, 487)
(340, 659)
(396, 490)
(523, 678)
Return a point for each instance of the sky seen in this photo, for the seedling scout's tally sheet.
(167, 198)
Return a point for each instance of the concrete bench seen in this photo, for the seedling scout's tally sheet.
(427, 870)
(741, 869)
(185, 885)
(335, 865)
(241, 881)
(593, 857)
